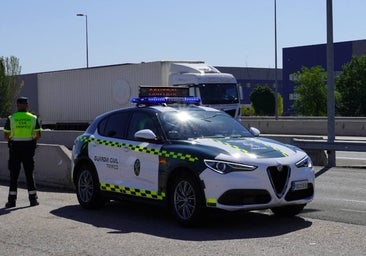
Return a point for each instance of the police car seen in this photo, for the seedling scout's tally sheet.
(189, 157)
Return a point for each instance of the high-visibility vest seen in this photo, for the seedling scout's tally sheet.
(23, 126)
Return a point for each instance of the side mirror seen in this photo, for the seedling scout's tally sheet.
(146, 134)
(254, 131)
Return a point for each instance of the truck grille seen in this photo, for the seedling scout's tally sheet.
(279, 176)
(231, 112)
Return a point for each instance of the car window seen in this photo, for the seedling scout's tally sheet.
(140, 121)
(114, 125)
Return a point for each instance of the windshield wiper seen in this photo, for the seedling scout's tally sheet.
(237, 136)
(215, 136)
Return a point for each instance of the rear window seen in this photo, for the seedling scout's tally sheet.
(114, 125)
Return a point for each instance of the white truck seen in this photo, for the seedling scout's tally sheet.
(72, 98)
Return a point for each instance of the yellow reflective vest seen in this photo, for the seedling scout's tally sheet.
(22, 126)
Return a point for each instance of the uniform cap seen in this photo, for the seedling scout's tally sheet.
(22, 100)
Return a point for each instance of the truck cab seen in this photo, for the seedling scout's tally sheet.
(217, 90)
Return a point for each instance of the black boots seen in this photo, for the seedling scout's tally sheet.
(11, 201)
(33, 202)
(10, 204)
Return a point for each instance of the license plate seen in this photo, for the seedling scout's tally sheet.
(299, 185)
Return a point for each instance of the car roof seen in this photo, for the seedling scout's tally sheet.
(163, 108)
(175, 108)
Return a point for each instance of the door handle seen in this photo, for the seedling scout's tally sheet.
(126, 149)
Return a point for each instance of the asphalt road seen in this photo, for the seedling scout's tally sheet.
(340, 196)
(333, 224)
(351, 159)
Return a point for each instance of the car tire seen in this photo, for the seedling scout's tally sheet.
(288, 211)
(187, 200)
(88, 188)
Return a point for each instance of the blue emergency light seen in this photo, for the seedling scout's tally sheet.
(166, 100)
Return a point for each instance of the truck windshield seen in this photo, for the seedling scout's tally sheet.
(219, 94)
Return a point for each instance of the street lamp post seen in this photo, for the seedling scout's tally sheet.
(330, 83)
(86, 37)
(275, 38)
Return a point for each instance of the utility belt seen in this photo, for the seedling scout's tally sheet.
(22, 143)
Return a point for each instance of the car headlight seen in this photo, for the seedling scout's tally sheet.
(305, 162)
(223, 167)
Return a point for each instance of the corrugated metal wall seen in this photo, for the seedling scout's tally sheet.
(80, 95)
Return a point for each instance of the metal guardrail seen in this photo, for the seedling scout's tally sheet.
(337, 145)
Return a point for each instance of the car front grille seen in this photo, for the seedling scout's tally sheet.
(300, 194)
(245, 197)
(279, 177)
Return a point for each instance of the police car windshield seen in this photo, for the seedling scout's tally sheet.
(200, 124)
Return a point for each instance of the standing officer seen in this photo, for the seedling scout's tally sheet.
(22, 130)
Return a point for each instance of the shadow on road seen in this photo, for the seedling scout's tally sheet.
(126, 217)
(41, 188)
(322, 171)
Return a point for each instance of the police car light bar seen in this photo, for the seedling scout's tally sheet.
(166, 100)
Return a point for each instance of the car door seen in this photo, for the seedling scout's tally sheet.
(106, 148)
(140, 168)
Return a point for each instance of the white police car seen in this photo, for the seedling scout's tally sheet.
(190, 157)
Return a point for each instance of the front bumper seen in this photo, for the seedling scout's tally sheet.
(258, 189)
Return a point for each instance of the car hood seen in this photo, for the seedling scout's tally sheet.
(253, 148)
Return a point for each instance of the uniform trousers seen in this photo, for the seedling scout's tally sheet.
(21, 152)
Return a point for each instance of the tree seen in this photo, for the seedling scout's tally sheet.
(263, 100)
(311, 92)
(279, 104)
(247, 110)
(351, 84)
(9, 87)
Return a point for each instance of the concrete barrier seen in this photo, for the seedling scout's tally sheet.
(52, 165)
(344, 126)
(65, 138)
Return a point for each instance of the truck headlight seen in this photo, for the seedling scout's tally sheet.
(223, 167)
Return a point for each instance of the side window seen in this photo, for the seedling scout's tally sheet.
(140, 121)
(115, 125)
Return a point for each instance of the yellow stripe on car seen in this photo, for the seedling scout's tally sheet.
(211, 202)
(143, 149)
(132, 191)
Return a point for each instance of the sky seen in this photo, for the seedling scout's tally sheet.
(47, 35)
